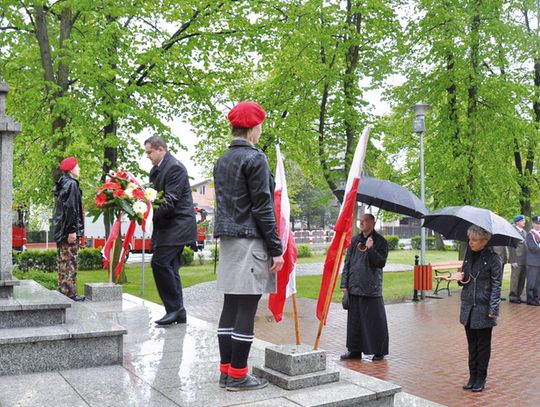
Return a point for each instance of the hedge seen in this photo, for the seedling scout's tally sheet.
(393, 242)
(416, 243)
(304, 250)
(47, 280)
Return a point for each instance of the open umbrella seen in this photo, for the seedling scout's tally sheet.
(453, 221)
(388, 196)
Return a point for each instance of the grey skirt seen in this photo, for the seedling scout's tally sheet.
(244, 267)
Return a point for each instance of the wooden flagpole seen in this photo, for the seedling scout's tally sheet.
(330, 290)
(111, 261)
(296, 323)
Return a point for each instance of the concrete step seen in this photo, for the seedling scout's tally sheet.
(33, 305)
(86, 339)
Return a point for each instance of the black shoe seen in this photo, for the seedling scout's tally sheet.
(247, 382)
(503, 299)
(172, 317)
(479, 386)
(377, 357)
(515, 301)
(470, 384)
(78, 298)
(223, 377)
(351, 355)
(535, 303)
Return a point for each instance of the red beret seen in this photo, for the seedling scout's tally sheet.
(246, 114)
(68, 164)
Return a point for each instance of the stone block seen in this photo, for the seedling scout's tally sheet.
(338, 395)
(26, 318)
(103, 292)
(294, 360)
(296, 382)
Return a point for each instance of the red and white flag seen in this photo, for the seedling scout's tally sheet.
(343, 226)
(286, 284)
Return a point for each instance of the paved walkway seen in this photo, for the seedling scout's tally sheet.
(428, 348)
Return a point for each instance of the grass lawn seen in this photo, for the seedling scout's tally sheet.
(397, 287)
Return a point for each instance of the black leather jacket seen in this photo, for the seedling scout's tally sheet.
(245, 196)
(68, 214)
(363, 270)
(481, 292)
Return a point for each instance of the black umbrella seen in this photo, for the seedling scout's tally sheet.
(388, 196)
(453, 221)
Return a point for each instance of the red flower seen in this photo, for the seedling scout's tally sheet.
(100, 200)
(121, 174)
(113, 185)
(138, 194)
(119, 193)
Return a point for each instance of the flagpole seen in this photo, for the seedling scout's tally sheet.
(330, 290)
(111, 257)
(296, 323)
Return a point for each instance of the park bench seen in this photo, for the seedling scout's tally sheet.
(442, 271)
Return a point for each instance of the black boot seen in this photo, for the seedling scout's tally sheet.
(479, 385)
(470, 383)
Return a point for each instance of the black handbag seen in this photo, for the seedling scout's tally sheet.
(345, 300)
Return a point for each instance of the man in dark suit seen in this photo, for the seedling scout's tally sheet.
(174, 227)
(518, 260)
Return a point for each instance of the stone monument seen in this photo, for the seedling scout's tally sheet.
(39, 327)
(8, 130)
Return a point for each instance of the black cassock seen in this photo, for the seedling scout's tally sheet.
(367, 329)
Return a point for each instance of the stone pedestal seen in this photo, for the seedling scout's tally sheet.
(103, 292)
(295, 367)
(8, 130)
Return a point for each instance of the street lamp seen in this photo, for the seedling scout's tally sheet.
(419, 126)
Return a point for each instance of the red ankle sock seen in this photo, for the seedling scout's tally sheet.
(238, 373)
(224, 367)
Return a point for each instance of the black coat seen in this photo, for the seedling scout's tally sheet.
(363, 271)
(481, 293)
(533, 250)
(174, 219)
(68, 214)
(245, 196)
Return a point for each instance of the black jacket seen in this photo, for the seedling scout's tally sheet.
(68, 214)
(174, 219)
(363, 271)
(245, 196)
(481, 293)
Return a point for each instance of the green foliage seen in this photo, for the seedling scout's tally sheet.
(44, 260)
(416, 242)
(46, 279)
(187, 256)
(393, 242)
(90, 259)
(304, 250)
(214, 249)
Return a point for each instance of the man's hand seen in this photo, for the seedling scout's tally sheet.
(277, 264)
(72, 238)
(369, 243)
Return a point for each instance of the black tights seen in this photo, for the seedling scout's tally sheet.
(235, 329)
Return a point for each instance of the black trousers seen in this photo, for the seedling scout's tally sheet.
(479, 341)
(165, 265)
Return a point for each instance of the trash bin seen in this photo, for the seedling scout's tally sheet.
(423, 277)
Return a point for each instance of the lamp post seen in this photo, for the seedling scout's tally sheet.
(419, 126)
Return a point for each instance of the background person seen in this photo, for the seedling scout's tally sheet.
(533, 262)
(249, 244)
(480, 278)
(362, 278)
(174, 227)
(518, 261)
(68, 221)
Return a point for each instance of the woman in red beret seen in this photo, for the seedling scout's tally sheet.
(68, 223)
(250, 249)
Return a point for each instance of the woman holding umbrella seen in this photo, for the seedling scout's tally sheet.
(480, 278)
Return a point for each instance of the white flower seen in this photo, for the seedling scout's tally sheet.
(140, 208)
(150, 194)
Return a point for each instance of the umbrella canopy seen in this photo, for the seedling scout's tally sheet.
(453, 221)
(388, 196)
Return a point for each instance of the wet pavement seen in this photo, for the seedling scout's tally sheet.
(428, 348)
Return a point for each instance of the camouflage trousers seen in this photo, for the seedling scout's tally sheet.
(67, 267)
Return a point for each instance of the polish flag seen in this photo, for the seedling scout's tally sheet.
(286, 284)
(343, 226)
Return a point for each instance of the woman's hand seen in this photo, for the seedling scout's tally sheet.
(277, 264)
(455, 277)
